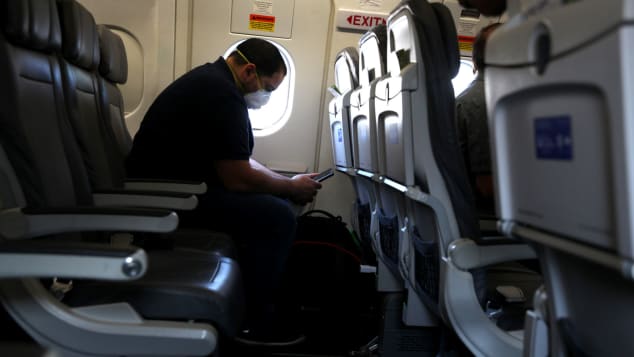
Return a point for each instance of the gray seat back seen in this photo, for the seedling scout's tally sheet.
(113, 71)
(416, 118)
(346, 79)
(79, 64)
(560, 112)
(32, 116)
(427, 56)
(414, 106)
(372, 49)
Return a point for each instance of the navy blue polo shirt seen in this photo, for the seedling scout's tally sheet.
(199, 118)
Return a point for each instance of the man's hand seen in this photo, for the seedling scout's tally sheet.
(303, 188)
(251, 176)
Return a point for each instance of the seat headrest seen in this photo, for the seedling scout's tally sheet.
(449, 37)
(79, 35)
(380, 31)
(32, 24)
(351, 57)
(114, 62)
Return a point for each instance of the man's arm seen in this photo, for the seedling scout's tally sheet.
(251, 176)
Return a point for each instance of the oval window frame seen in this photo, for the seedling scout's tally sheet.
(261, 121)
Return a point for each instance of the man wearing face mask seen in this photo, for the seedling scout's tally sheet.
(198, 129)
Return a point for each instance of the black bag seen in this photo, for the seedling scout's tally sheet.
(321, 228)
(324, 260)
(323, 285)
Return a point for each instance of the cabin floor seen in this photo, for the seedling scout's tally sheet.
(334, 333)
(376, 331)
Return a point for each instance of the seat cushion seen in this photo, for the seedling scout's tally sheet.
(179, 285)
(520, 276)
(188, 240)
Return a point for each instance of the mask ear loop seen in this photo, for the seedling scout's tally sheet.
(243, 56)
(256, 72)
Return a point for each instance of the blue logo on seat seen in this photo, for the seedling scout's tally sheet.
(553, 138)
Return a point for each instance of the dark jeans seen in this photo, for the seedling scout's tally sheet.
(263, 228)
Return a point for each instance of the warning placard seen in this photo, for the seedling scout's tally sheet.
(263, 7)
(467, 28)
(465, 43)
(261, 23)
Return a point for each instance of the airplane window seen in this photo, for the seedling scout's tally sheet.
(464, 78)
(274, 115)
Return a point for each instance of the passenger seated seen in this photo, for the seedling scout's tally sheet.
(473, 137)
(473, 130)
(198, 129)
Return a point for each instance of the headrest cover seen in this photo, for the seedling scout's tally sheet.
(380, 31)
(351, 57)
(31, 23)
(114, 62)
(449, 37)
(372, 54)
(79, 35)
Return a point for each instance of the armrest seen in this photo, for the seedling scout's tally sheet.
(191, 187)
(45, 259)
(106, 330)
(149, 199)
(346, 170)
(466, 254)
(27, 223)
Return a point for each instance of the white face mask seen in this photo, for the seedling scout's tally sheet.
(257, 99)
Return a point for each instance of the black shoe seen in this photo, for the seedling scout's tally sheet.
(274, 339)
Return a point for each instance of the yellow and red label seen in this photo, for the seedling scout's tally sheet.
(465, 43)
(261, 22)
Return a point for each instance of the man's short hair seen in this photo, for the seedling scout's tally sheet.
(263, 54)
(479, 45)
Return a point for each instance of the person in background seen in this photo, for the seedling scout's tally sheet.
(473, 131)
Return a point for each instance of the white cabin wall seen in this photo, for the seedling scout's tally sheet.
(183, 37)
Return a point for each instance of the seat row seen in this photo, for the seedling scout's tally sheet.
(394, 133)
(65, 200)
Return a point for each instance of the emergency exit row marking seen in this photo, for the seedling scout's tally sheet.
(362, 20)
(261, 23)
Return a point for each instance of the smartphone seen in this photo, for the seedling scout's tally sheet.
(324, 175)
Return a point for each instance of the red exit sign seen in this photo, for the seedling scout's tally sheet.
(359, 20)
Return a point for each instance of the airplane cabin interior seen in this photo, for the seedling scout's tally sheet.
(94, 262)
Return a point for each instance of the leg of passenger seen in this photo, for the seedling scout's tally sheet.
(263, 226)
